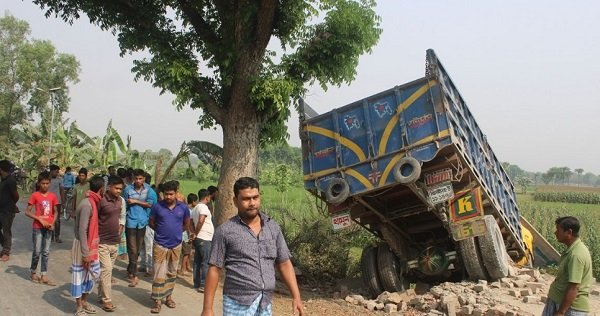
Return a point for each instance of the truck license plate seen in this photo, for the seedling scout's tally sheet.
(464, 230)
(441, 193)
(341, 221)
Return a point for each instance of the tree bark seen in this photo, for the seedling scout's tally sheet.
(241, 128)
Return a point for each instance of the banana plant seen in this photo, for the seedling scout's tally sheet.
(209, 153)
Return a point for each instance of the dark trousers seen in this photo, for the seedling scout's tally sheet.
(135, 238)
(201, 255)
(56, 231)
(6, 221)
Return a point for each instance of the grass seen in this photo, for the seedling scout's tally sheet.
(295, 200)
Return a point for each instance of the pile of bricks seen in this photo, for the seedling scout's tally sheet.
(465, 298)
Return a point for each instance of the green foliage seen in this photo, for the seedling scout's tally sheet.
(543, 214)
(320, 252)
(281, 176)
(568, 197)
(27, 65)
(208, 153)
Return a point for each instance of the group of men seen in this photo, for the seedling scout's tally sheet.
(249, 246)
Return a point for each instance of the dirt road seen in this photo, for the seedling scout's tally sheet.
(19, 296)
(22, 297)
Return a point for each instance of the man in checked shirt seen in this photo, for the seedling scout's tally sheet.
(249, 246)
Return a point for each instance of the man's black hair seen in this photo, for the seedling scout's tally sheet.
(83, 170)
(169, 186)
(6, 165)
(139, 172)
(569, 223)
(212, 189)
(191, 198)
(244, 183)
(147, 177)
(44, 176)
(68, 169)
(202, 194)
(96, 183)
(114, 180)
(122, 172)
(54, 167)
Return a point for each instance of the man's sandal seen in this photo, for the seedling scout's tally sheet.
(80, 312)
(47, 281)
(89, 309)
(156, 308)
(34, 278)
(108, 307)
(170, 303)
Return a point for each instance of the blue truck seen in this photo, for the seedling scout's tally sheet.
(412, 166)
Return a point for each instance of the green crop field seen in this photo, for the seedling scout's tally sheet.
(542, 215)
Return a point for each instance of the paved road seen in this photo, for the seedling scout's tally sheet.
(19, 296)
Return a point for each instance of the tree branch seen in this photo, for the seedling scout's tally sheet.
(210, 105)
(264, 25)
(199, 24)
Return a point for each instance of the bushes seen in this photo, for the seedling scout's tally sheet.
(321, 253)
(568, 197)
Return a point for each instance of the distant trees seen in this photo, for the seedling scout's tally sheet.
(29, 68)
(554, 175)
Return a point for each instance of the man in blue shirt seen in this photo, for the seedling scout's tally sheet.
(139, 197)
(68, 184)
(169, 218)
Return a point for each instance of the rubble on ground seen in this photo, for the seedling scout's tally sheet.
(481, 298)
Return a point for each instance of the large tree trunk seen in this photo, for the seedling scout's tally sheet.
(241, 128)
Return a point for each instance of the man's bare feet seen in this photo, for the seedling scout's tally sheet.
(4, 258)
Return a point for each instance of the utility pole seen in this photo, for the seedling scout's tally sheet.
(51, 92)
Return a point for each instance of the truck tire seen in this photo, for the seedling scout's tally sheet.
(407, 170)
(493, 250)
(337, 191)
(390, 270)
(471, 259)
(368, 268)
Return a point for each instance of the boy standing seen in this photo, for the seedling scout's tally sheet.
(56, 187)
(68, 184)
(80, 189)
(139, 197)
(46, 211)
(85, 264)
(203, 229)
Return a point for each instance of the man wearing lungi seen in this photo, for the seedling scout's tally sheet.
(85, 261)
(169, 218)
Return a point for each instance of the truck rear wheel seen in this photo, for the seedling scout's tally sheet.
(368, 267)
(390, 270)
(493, 250)
(471, 259)
(337, 191)
(407, 170)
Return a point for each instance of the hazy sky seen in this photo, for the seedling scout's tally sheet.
(529, 71)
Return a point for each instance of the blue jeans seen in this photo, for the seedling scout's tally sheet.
(41, 246)
(201, 255)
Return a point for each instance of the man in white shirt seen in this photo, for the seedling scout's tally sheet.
(203, 230)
